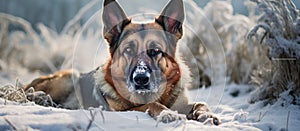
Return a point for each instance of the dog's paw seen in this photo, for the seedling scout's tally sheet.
(167, 116)
(209, 118)
(202, 114)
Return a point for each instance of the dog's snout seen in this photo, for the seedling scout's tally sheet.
(141, 76)
(141, 79)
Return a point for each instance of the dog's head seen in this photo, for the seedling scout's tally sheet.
(142, 65)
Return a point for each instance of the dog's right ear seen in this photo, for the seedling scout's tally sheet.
(171, 18)
(114, 20)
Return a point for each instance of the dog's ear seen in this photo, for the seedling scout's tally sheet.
(114, 20)
(171, 18)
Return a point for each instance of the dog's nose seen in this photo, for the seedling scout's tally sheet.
(141, 79)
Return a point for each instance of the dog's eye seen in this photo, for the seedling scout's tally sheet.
(154, 52)
(154, 49)
(130, 48)
(129, 51)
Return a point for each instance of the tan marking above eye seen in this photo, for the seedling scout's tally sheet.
(154, 45)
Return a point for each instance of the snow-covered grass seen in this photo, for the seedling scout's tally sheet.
(26, 54)
(278, 78)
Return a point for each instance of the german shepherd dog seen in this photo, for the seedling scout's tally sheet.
(142, 74)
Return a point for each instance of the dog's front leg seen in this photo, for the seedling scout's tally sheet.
(159, 112)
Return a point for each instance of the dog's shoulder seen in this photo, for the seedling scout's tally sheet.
(185, 82)
(186, 79)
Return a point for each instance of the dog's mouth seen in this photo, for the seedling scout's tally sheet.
(143, 80)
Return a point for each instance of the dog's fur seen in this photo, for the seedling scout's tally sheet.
(146, 49)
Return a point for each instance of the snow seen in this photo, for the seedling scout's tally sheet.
(235, 113)
(83, 48)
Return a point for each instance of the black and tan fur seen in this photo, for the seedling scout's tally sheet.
(143, 72)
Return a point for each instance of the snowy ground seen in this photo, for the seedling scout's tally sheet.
(235, 113)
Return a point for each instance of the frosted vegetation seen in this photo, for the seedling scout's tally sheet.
(261, 51)
(278, 77)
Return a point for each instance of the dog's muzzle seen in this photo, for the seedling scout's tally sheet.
(141, 76)
(141, 79)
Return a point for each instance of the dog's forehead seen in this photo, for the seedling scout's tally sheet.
(142, 29)
(143, 26)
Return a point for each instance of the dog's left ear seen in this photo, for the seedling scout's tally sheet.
(114, 20)
(171, 18)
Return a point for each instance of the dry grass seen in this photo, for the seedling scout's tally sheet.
(13, 93)
(16, 93)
